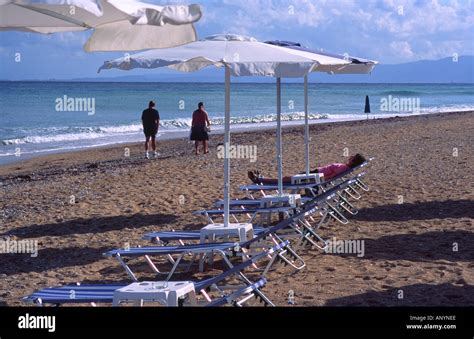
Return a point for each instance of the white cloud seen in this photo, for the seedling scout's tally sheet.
(373, 29)
(390, 30)
(402, 49)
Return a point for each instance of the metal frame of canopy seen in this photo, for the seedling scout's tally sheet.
(255, 60)
(356, 66)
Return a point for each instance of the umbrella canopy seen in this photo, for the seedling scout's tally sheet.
(367, 105)
(354, 65)
(241, 56)
(244, 56)
(119, 25)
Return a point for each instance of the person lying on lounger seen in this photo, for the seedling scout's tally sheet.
(329, 171)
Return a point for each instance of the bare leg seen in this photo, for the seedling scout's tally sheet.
(206, 150)
(196, 147)
(153, 142)
(147, 139)
(286, 180)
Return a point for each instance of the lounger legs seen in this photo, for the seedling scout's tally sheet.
(334, 213)
(353, 193)
(126, 267)
(346, 205)
(310, 235)
(362, 185)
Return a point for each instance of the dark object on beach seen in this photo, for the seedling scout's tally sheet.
(367, 106)
(200, 128)
(151, 124)
(199, 133)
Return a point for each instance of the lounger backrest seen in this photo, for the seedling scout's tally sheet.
(164, 250)
(240, 267)
(243, 291)
(325, 182)
(169, 235)
(345, 173)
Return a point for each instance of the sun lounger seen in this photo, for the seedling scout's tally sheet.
(342, 176)
(350, 192)
(201, 251)
(299, 224)
(195, 250)
(74, 294)
(322, 205)
(165, 237)
(250, 215)
(313, 188)
(334, 209)
(104, 293)
(326, 205)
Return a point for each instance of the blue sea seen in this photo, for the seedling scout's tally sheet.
(42, 117)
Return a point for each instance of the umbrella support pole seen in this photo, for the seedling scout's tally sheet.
(306, 125)
(278, 144)
(226, 147)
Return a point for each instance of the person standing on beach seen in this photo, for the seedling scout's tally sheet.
(200, 128)
(151, 123)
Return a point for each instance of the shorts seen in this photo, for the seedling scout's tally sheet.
(150, 131)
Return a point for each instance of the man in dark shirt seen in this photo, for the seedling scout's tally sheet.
(151, 123)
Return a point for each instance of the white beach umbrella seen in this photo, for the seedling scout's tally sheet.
(241, 56)
(119, 25)
(355, 65)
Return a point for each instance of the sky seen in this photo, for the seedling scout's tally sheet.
(390, 31)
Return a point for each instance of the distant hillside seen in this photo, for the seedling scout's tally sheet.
(425, 71)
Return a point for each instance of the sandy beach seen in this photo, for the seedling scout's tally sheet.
(421, 246)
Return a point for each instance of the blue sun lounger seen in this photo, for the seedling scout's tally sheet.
(333, 208)
(350, 191)
(298, 223)
(74, 294)
(314, 188)
(165, 237)
(303, 227)
(227, 249)
(104, 293)
(250, 208)
(195, 250)
(250, 214)
(201, 251)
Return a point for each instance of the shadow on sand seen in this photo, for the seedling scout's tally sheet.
(418, 211)
(91, 225)
(50, 258)
(450, 245)
(413, 295)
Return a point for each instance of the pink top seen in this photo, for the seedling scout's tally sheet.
(330, 171)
